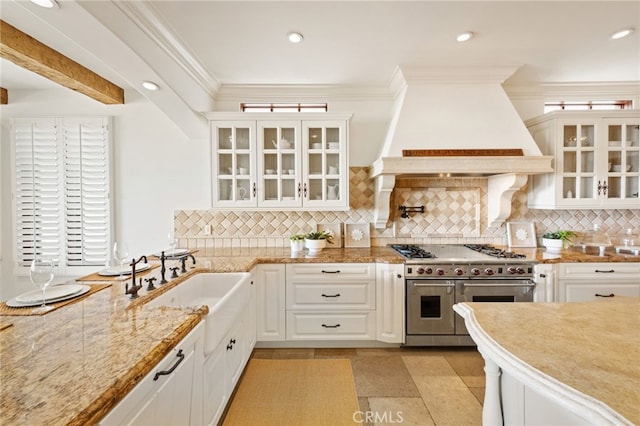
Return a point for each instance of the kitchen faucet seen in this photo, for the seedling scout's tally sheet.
(133, 291)
(183, 261)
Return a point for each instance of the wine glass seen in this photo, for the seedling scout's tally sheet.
(173, 242)
(120, 254)
(41, 274)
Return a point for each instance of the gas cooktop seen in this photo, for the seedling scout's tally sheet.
(448, 253)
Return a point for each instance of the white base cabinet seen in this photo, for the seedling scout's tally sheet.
(585, 282)
(390, 303)
(330, 301)
(269, 283)
(169, 398)
(224, 365)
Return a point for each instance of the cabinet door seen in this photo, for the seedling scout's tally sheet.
(325, 163)
(279, 164)
(215, 391)
(576, 163)
(622, 167)
(270, 301)
(233, 168)
(234, 355)
(390, 294)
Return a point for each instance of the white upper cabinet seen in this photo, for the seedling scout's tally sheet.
(597, 160)
(280, 161)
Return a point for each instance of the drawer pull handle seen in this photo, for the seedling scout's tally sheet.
(331, 326)
(331, 295)
(610, 271)
(180, 355)
(330, 272)
(605, 295)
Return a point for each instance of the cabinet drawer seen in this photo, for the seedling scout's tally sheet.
(331, 296)
(607, 270)
(330, 326)
(575, 292)
(331, 271)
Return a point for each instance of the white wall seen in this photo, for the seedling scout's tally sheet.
(157, 170)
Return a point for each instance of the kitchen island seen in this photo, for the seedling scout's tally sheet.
(558, 363)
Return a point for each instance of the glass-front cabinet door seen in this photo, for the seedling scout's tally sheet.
(279, 164)
(325, 161)
(577, 161)
(233, 165)
(622, 147)
(598, 163)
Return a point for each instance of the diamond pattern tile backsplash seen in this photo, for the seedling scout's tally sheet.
(455, 212)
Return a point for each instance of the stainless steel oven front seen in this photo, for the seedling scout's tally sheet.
(432, 290)
(492, 290)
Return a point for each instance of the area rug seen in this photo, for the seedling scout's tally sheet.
(287, 392)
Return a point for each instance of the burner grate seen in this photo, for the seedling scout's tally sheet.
(495, 252)
(412, 252)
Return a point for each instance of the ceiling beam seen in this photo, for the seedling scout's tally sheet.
(27, 52)
(4, 97)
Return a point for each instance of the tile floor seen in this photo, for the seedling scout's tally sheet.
(409, 386)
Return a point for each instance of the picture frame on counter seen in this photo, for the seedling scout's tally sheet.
(521, 234)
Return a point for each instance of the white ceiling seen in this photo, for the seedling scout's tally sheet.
(192, 48)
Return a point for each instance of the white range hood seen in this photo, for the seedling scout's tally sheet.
(456, 109)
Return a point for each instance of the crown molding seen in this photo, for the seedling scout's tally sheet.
(300, 93)
(587, 90)
(150, 22)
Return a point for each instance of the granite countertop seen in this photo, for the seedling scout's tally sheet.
(72, 365)
(592, 347)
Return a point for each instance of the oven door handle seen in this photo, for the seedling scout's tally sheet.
(527, 284)
(447, 284)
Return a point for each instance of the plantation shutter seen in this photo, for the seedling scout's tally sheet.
(62, 191)
(37, 190)
(86, 195)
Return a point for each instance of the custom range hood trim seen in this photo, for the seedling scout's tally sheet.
(450, 99)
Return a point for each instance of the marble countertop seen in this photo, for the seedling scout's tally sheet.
(593, 348)
(72, 365)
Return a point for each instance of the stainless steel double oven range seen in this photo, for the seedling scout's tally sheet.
(438, 276)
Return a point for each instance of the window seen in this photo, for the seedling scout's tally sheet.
(62, 207)
(584, 106)
(267, 107)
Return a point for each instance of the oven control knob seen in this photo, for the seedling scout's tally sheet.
(428, 271)
(475, 271)
(420, 271)
(440, 271)
(459, 271)
(515, 270)
(489, 271)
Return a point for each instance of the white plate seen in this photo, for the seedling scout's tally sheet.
(124, 270)
(54, 292)
(172, 252)
(17, 304)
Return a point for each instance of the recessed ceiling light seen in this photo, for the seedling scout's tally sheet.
(150, 85)
(295, 37)
(45, 3)
(621, 33)
(464, 36)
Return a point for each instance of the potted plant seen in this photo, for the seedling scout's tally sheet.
(317, 240)
(557, 240)
(297, 242)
